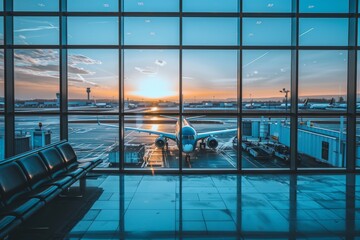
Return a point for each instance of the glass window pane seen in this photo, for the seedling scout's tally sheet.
(210, 31)
(358, 84)
(36, 5)
(210, 80)
(2, 91)
(267, 6)
(151, 6)
(93, 80)
(36, 74)
(1, 30)
(322, 142)
(150, 151)
(1, 5)
(93, 30)
(2, 138)
(210, 6)
(357, 158)
(93, 6)
(265, 142)
(267, 31)
(151, 80)
(202, 148)
(151, 31)
(323, 80)
(320, 6)
(91, 139)
(265, 75)
(36, 30)
(323, 32)
(33, 132)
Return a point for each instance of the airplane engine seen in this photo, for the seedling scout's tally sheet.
(212, 142)
(160, 142)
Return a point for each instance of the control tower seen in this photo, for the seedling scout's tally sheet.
(88, 91)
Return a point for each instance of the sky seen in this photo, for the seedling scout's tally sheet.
(154, 74)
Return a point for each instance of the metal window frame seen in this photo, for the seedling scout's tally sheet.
(352, 48)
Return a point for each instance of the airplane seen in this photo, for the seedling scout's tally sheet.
(303, 105)
(190, 136)
(323, 105)
(252, 105)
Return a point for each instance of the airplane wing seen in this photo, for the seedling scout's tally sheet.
(162, 134)
(219, 132)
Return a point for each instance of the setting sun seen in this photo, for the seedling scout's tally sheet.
(154, 88)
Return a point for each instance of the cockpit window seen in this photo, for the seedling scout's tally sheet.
(188, 137)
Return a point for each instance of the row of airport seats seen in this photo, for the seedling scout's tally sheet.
(29, 182)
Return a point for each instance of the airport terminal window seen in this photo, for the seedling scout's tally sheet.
(319, 6)
(151, 6)
(81, 30)
(1, 30)
(266, 31)
(210, 80)
(151, 81)
(323, 80)
(2, 92)
(272, 6)
(93, 80)
(314, 133)
(210, 6)
(143, 150)
(36, 75)
(2, 5)
(210, 142)
(323, 31)
(265, 74)
(92, 6)
(36, 30)
(210, 31)
(151, 31)
(35, 131)
(96, 136)
(2, 137)
(36, 5)
(265, 142)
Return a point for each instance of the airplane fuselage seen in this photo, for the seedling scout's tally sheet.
(189, 136)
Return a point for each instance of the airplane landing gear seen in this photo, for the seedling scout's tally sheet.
(187, 158)
(202, 145)
(166, 146)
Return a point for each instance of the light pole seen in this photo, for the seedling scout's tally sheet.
(286, 97)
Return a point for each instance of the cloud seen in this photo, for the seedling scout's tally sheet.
(160, 63)
(146, 70)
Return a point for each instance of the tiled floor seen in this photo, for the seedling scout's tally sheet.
(212, 207)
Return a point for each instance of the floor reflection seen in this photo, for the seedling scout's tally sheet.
(220, 207)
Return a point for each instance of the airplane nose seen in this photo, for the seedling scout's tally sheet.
(188, 148)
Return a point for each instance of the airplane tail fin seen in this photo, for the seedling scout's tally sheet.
(306, 102)
(332, 101)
